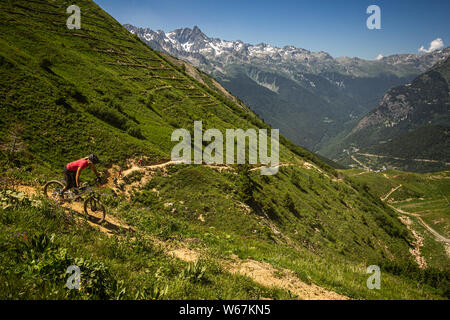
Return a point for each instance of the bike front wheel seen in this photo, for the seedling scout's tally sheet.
(52, 191)
(94, 210)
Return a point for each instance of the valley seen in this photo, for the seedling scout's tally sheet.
(316, 100)
(186, 231)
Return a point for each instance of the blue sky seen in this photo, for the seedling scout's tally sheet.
(335, 26)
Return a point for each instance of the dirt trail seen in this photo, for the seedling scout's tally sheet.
(390, 192)
(149, 169)
(434, 232)
(358, 174)
(305, 164)
(135, 167)
(419, 241)
(260, 272)
(360, 163)
(111, 226)
(397, 158)
(417, 244)
(28, 190)
(277, 166)
(265, 274)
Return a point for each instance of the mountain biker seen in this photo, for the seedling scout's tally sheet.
(73, 170)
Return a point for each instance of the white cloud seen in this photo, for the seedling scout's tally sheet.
(379, 57)
(436, 44)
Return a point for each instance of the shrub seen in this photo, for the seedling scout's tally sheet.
(45, 64)
(42, 262)
(135, 131)
(78, 96)
(439, 279)
(194, 271)
(109, 115)
(246, 184)
(135, 176)
(116, 119)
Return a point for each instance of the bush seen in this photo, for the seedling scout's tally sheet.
(135, 131)
(146, 198)
(194, 271)
(109, 115)
(45, 64)
(116, 119)
(246, 184)
(41, 263)
(135, 176)
(439, 279)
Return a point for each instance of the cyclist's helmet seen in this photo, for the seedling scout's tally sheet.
(93, 158)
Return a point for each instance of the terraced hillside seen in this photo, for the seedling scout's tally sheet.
(422, 199)
(172, 231)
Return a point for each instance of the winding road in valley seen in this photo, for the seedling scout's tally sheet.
(403, 159)
(434, 232)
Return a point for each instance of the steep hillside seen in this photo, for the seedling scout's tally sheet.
(310, 96)
(410, 125)
(422, 200)
(172, 231)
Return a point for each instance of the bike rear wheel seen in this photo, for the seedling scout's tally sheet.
(94, 210)
(52, 191)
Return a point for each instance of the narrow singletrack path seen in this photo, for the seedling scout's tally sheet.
(390, 192)
(260, 272)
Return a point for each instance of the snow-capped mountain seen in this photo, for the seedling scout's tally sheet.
(213, 54)
(310, 96)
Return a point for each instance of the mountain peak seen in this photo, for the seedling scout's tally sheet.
(185, 35)
(193, 45)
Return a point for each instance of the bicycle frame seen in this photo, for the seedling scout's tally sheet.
(82, 192)
(85, 193)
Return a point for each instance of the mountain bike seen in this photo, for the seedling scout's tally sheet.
(93, 207)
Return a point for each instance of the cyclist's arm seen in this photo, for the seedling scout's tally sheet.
(94, 170)
(77, 177)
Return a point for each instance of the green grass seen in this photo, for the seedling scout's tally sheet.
(39, 243)
(115, 110)
(65, 95)
(423, 194)
(324, 248)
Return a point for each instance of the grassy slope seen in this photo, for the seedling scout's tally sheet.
(67, 93)
(65, 100)
(423, 194)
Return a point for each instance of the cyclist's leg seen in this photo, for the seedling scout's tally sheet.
(69, 178)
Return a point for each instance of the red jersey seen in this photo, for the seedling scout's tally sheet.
(73, 166)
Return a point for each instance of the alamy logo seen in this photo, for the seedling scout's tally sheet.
(374, 281)
(74, 21)
(213, 153)
(73, 282)
(373, 21)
